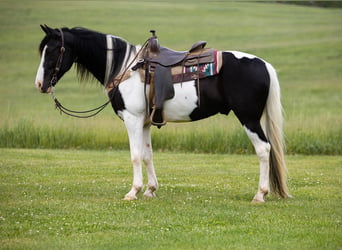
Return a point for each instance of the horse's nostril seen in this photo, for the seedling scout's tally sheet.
(40, 87)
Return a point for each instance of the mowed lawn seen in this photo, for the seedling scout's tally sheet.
(72, 199)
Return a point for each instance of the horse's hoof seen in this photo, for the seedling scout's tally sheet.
(258, 201)
(129, 198)
(289, 196)
(149, 195)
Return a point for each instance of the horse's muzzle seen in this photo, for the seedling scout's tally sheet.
(42, 88)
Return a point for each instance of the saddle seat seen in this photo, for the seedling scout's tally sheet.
(168, 57)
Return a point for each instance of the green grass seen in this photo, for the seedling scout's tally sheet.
(303, 43)
(72, 199)
(179, 138)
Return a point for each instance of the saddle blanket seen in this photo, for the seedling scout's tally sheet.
(201, 70)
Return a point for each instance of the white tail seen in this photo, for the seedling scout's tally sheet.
(274, 131)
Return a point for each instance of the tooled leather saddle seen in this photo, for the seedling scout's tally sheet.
(161, 67)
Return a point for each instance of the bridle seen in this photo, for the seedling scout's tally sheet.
(91, 112)
(58, 105)
(54, 78)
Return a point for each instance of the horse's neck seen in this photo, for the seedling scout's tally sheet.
(130, 58)
(103, 56)
(90, 55)
(119, 55)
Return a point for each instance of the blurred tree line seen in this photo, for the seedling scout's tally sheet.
(325, 4)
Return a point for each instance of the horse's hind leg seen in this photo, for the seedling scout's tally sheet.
(262, 149)
(152, 184)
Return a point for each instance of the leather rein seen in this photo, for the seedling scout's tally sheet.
(91, 112)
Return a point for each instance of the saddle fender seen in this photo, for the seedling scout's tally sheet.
(163, 88)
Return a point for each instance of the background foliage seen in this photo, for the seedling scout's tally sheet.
(303, 44)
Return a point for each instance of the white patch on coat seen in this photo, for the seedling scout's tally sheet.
(40, 71)
(261, 147)
(239, 54)
(132, 92)
(183, 103)
(176, 109)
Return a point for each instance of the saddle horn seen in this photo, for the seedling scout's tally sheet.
(153, 43)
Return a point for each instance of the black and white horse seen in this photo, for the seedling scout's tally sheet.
(246, 84)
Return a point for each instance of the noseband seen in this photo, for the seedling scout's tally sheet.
(54, 78)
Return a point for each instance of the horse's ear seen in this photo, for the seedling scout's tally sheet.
(46, 29)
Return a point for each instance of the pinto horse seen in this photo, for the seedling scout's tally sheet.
(246, 84)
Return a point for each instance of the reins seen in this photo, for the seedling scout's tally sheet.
(91, 112)
(75, 113)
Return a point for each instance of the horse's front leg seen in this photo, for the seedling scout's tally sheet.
(152, 184)
(134, 125)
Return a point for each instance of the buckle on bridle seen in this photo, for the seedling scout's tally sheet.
(53, 80)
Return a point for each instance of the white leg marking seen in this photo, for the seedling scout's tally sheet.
(262, 149)
(152, 184)
(134, 125)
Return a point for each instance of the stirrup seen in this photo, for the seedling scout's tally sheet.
(161, 123)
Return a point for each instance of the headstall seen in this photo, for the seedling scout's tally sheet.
(54, 78)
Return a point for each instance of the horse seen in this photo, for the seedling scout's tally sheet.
(246, 85)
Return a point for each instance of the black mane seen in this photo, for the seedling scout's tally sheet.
(89, 51)
(88, 45)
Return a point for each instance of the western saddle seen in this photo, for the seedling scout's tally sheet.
(160, 67)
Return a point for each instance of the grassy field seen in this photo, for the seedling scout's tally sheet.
(72, 199)
(303, 43)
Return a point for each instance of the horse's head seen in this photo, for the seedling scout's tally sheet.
(56, 58)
